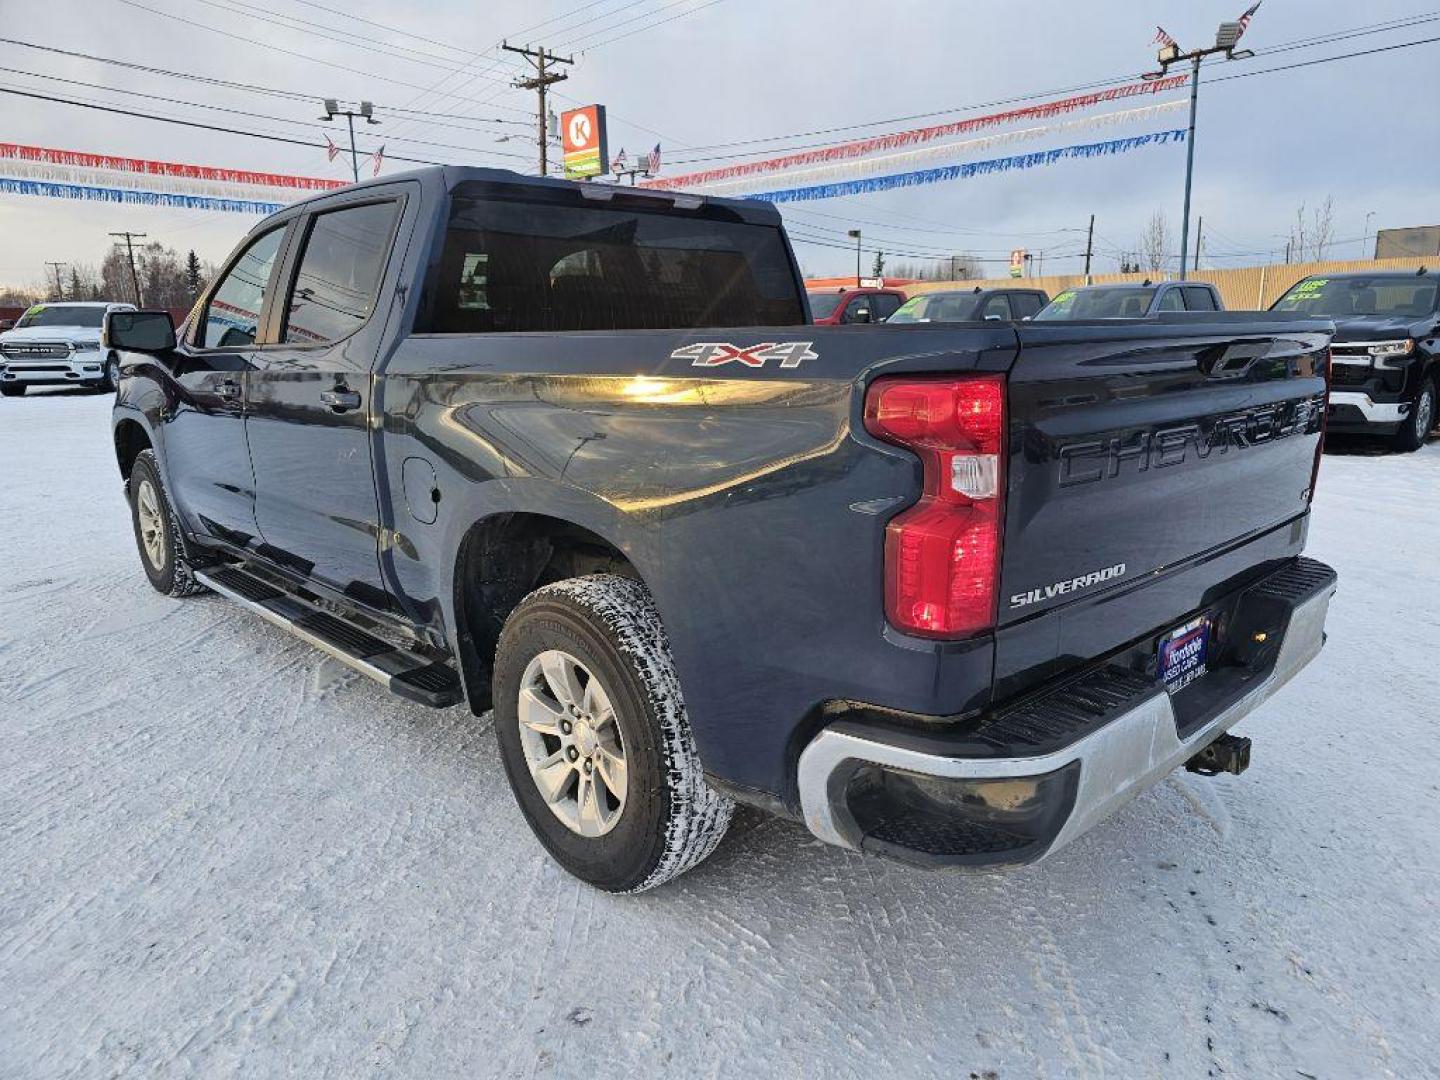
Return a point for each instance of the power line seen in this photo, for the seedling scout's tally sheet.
(190, 123)
(271, 47)
(1017, 99)
(259, 116)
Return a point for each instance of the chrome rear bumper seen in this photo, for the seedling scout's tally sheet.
(1130, 749)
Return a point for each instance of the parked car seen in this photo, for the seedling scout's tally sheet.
(502, 440)
(58, 344)
(1132, 301)
(862, 305)
(969, 305)
(1385, 358)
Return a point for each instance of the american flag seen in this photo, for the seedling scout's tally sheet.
(330, 149)
(1244, 20)
(1162, 38)
(376, 159)
(652, 160)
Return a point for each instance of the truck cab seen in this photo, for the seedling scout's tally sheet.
(866, 304)
(1124, 301)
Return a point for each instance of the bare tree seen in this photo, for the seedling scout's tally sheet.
(961, 266)
(1310, 237)
(1155, 242)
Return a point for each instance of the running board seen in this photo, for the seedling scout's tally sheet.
(404, 673)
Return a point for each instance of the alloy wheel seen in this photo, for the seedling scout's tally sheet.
(152, 523)
(572, 743)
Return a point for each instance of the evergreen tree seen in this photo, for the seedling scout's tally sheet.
(194, 276)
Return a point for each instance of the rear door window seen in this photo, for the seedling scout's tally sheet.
(1025, 305)
(232, 316)
(340, 270)
(510, 265)
(1170, 300)
(860, 305)
(885, 305)
(996, 307)
(1197, 299)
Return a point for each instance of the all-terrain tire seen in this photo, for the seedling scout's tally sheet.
(671, 819)
(173, 575)
(111, 381)
(1418, 425)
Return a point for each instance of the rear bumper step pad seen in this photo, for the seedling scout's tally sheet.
(402, 672)
(1033, 778)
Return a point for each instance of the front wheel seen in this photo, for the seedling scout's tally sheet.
(594, 737)
(12, 389)
(1416, 428)
(157, 531)
(112, 373)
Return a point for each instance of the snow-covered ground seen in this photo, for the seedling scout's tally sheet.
(222, 854)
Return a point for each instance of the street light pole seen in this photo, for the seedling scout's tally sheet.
(1189, 160)
(1226, 39)
(366, 111)
(1365, 232)
(855, 235)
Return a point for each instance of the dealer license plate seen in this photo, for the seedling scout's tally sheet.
(1183, 653)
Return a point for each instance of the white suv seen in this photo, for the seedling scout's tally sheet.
(55, 344)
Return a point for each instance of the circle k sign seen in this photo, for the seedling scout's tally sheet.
(582, 136)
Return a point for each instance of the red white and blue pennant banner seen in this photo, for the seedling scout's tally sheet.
(143, 198)
(143, 166)
(968, 169)
(899, 139)
(71, 174)
(886, 163)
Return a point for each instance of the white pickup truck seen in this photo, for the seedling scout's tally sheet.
(57, 344)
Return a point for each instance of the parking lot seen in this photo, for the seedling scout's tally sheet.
(223, 854)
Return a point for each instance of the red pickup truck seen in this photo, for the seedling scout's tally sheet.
(831, 307)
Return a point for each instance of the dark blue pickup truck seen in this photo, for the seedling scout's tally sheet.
(576, 453)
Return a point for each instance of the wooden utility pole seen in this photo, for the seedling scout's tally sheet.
(130, 238)
(59, 289)
(1089, 247)
(1199, 235)
(540, 82)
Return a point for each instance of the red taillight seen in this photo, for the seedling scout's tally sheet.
(942, 555)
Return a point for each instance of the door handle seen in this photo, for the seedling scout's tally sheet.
(229, 389)
(341, 400)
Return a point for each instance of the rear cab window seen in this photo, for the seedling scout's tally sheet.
(339, 274)
(885, 305)
(513, 265)
(1199, 299)
(1025, 305)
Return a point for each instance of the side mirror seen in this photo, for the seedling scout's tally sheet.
(993, 318)
(139, 331)
(862, 315)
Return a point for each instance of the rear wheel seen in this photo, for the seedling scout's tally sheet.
(157, 531)
(1417, 425)
(594, 737)
(12, 389)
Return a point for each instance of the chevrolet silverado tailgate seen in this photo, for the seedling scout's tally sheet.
(1139, 447)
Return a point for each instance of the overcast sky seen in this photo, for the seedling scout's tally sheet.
(1365, 131)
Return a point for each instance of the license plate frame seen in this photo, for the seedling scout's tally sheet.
(1182, 655)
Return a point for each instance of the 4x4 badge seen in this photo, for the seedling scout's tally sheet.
(715, 353)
